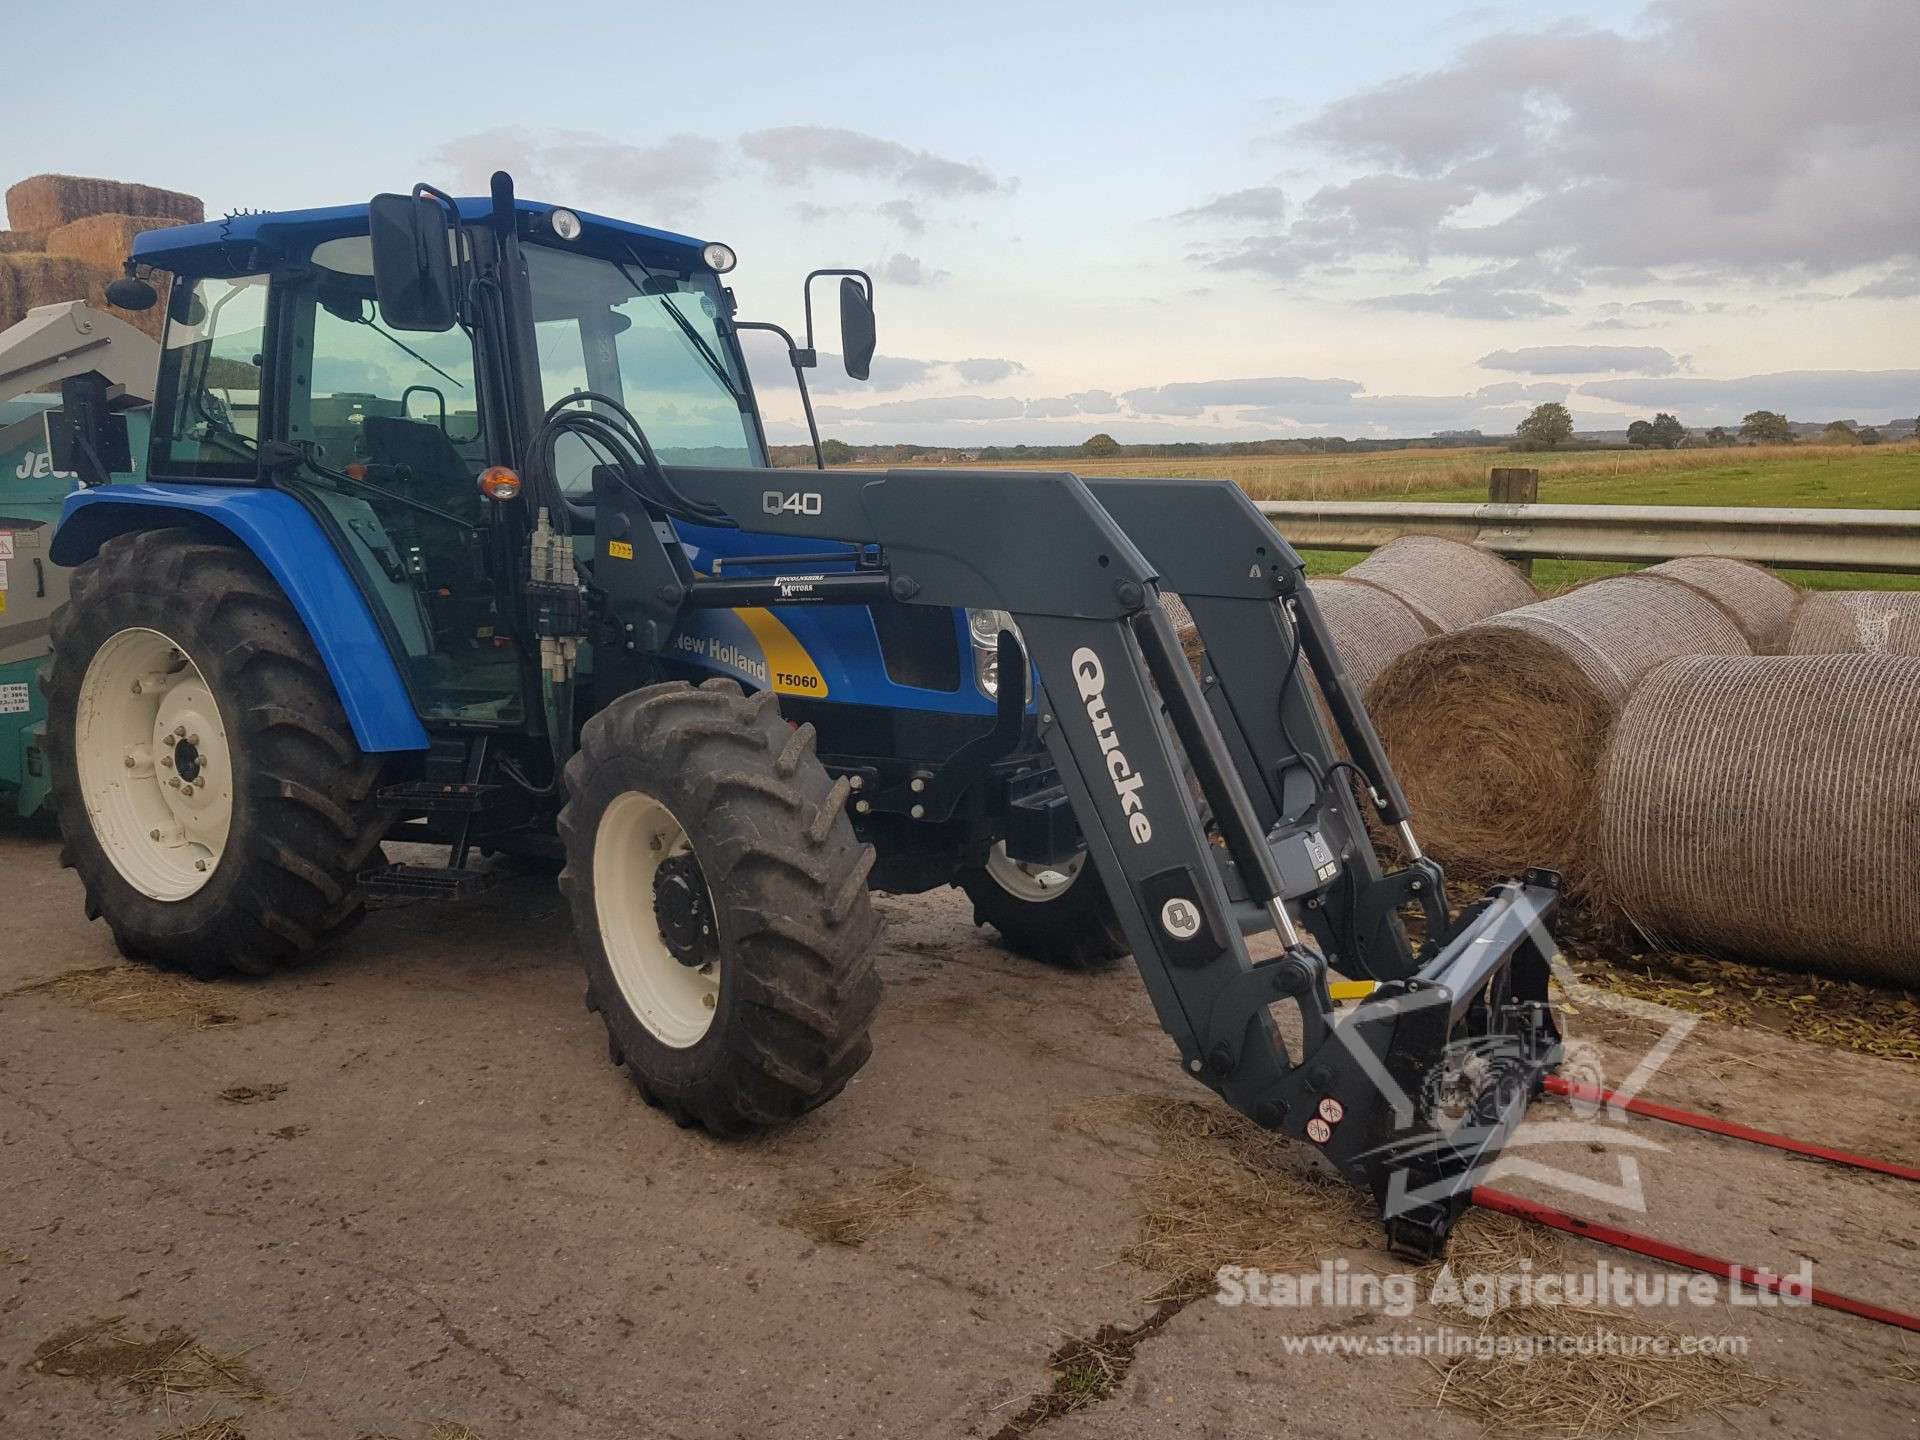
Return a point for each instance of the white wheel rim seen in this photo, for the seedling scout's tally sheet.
(675, 1002)
(1033, 883)
(154, 764)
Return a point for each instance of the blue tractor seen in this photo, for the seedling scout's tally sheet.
(458, 528)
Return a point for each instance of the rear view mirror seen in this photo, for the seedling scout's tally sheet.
(412, 262)
(856, 327)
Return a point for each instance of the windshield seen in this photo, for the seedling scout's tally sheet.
(657, 341)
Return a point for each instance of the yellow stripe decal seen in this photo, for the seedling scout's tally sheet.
(790, 669)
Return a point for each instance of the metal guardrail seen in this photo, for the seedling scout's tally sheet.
(1642, 534)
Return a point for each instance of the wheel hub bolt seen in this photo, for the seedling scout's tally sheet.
(180, 731)
(170, 738)
(193, 740)
(200, 865)
(186, 789)
(174, 781)
(167, 760)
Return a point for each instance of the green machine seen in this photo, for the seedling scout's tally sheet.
(53, 343)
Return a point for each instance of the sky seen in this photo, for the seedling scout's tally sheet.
(1211, 222)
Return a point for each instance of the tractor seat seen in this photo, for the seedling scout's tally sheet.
(439, 475)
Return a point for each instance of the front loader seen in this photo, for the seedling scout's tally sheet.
(459, 527)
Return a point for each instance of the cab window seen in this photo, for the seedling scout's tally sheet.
(210, 379)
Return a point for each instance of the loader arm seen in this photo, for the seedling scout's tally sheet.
(1141, 747)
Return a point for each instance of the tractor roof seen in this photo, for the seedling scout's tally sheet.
(224, 246)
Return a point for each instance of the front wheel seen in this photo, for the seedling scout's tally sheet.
(208, 787)
(1056, 913)
(719, 905)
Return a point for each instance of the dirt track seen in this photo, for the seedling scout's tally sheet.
(456, 1211)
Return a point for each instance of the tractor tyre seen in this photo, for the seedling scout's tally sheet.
(206, 781)
(719, 905)
(1056, 913)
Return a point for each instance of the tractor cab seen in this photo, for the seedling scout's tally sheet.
(283, 365)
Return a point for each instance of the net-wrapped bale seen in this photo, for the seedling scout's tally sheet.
(1398, 595)
(1761, 603)
(103, 239)
(1856, 622)
(1444, 582)
(1496, 731)
(1768, 807)
(1370, 625)
(46, 202)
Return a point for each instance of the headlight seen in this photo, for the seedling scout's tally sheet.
(720, 258)
(565, 224)
(983, 628)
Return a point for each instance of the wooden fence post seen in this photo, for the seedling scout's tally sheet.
(1514, 485)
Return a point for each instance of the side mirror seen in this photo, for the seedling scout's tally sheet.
(856, 327)
(127, 293)
(412, 262)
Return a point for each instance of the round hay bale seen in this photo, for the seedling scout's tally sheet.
(1497, 731)
(1760, 602)
(1768, 807)
(1369, 624)
(1856, 622)
(1446, 583)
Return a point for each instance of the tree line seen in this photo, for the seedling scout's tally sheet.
(1550, 426)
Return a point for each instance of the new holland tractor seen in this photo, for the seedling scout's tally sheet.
(458, 526)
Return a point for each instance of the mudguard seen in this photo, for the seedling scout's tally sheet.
(285, 538)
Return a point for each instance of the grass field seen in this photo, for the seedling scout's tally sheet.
(1880, 477)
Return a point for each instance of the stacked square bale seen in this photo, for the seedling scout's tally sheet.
(70, 236)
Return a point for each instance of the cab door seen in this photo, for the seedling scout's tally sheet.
(395, 431)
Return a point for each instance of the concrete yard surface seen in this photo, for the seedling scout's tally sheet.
(403, 1193)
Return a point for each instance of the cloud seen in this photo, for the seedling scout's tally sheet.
(1512, 392)
(1082, 402)
(1765, 140)
(1195, 397)
(564, 164)
(1584, 360)
(768, 363)
(1900, 284)
(1499, 294)
(905, 214)
(1262, 202)
(988, 371)
(908, 270)
(1798, 394)
(930, 407)
(793, 153)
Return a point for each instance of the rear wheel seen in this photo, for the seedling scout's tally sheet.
(720, 905)
(206, 781)
(1056, 913)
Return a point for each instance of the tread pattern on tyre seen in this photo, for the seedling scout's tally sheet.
(789, 885)
(306, 814)
(1076, 930)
